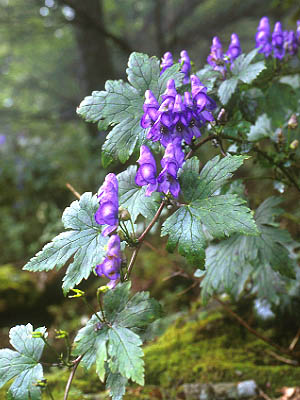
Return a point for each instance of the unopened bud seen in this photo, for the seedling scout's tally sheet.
(61, 334)
(37, 334)
(124, 214)
(279, 136)
(293, 122)
(222, 116)
(103, 289)
(78, 293)
(294, 144)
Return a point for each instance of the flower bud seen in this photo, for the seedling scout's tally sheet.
(294, 144)
(279, 136)
(78, 293)
(222, 116)
(293, 122)
(124, 214)
(103, 289)
(37, 334)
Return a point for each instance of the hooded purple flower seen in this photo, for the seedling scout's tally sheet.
(277, 41)
(107, 213)
(263, 37)
(216, 58)
(290, 42)
(203, 103)
(110, 266)
(146, 173)
(234, 49)
(193, 129)
(150, 107)
(183, 118)
(171, 162)
(186, 66)
(166, 62)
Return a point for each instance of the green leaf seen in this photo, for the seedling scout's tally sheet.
(22, 364)
(261, 129)
(206, 213)
(139, 312)
(251, 72)
(87, 342)
(226, 89)
(121, 105)
(114, 301)
(84, 241)
(116, 384)
(126, 354)
(208, 77)
(233, 261)
(281, 100)
(132, 196)
(101, 357)
(244, 70)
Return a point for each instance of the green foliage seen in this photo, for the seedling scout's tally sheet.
(267, 260)
(221, 215)
(121, 105)
(22, 364)
(132, 196)
(114, 344)
(261, 129)
(84, 234)
(242, 71)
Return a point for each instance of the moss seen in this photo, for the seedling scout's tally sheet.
(214, 349)
(16, 289)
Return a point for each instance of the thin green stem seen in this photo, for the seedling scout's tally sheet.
(49, 393)
(58, 356)
(91, 308)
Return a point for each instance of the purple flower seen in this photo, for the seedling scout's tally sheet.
(186, 66)
(150, 107)
(166, 62)
(298, 32)
(277, 41)
(170, 92)
(203, 103)
(146, 174)
(107, 213)
(182, 118)
(110, 266)
(263, 37)
(193, 129)
(234, 49)
(216, 58)
(290, 42)
(163, 127)
(171, 162)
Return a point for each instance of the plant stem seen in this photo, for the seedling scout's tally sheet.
(91, 308)
(49, 392)
(70, 187)
(199, 144)
(59, 357)
(141, 239)
(75, 365)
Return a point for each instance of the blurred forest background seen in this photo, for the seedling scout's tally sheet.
(53, 54)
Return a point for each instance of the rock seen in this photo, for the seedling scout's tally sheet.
(198, 391)
(247, 389)
(220, 391)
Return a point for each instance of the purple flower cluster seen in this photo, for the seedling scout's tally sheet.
(279, 43)
(184, 60)
(107, 213)
(176, 117)
(166, 182)
(217, 59)
(110, 266)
